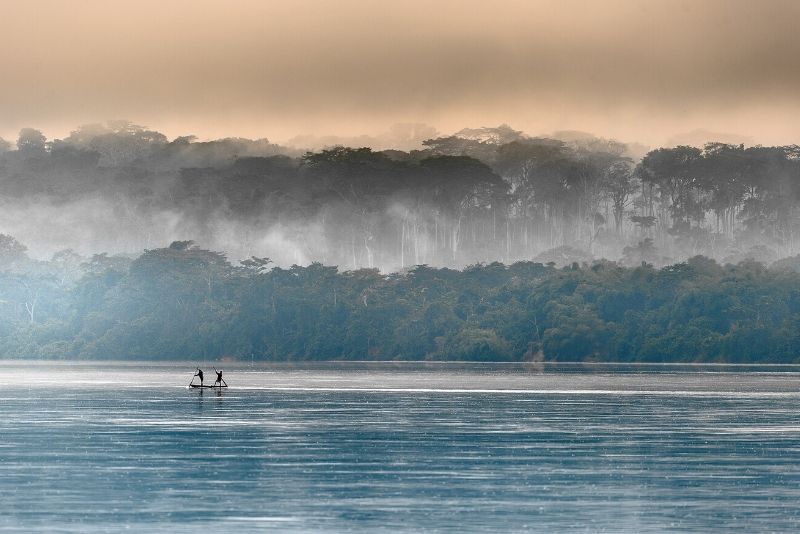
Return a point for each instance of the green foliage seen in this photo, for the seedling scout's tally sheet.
(184, 302)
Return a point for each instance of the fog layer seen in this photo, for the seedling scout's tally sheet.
(482, 195)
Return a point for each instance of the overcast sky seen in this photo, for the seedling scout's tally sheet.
(642, 70)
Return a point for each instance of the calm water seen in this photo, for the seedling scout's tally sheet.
(355, 448)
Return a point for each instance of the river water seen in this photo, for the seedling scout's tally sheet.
(400, 448)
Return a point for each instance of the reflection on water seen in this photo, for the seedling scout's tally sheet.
(377, 448)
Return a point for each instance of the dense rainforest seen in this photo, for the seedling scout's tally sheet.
(186, 302)
(479, 196)
(488, 244)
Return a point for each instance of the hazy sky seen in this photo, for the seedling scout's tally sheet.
(640, 70)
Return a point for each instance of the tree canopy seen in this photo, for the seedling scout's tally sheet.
(481, 195)
(186, 302)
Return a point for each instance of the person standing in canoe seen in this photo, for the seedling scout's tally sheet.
(200, 374)
(219, 380)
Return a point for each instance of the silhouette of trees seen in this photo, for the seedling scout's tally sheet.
(481, 195)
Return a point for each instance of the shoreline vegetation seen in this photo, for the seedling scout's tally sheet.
(184, 300)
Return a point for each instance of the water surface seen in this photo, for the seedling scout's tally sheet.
(438, 448)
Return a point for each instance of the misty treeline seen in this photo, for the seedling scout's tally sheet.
(186, 302)
(482, 195)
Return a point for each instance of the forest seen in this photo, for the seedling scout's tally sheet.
(479, 196)
(185, 302)
(488, 244)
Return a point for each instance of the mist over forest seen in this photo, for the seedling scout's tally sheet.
(489, 244)
(478, 196)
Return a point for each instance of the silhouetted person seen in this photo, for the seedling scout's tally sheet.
(219, 380)
(200, 374)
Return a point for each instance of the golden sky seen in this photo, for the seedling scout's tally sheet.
(634, 70)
